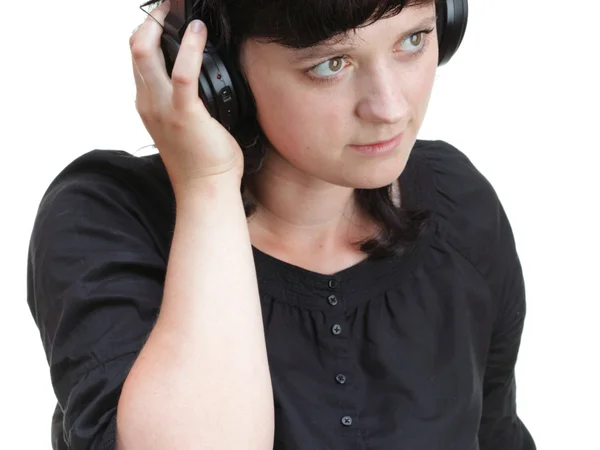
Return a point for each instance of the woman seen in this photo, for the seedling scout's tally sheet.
(364, 291)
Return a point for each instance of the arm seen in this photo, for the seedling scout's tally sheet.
(202, 379)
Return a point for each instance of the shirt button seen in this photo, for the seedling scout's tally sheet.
(332, 284)
(332, 299)
(340, 378)
(336, 329)
(347, 421)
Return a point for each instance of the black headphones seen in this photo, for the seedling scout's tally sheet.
(226, 95)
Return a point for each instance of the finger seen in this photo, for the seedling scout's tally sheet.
(146, 50)
(186, 69)
(140, 85)
(133, 35)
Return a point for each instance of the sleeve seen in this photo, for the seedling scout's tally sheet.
(95, 281)
(480, 230)
(500, 427)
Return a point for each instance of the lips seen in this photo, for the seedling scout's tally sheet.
(382, 142)
(380, 147)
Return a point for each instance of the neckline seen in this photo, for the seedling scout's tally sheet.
(343, 273)
(285, 282)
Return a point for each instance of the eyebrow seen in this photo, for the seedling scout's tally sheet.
(324, 49)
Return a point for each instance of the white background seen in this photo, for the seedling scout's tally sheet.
(520, 98)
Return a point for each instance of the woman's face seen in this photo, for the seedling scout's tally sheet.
(316, 105)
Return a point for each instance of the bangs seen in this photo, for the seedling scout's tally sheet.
(294, 23)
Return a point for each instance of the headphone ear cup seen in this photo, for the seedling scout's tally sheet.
(217, 88)
(224, 88)
(206, 94)
(242, 89)
(170, 47)
(452, 18)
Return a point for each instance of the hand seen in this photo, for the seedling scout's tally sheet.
(193, 145)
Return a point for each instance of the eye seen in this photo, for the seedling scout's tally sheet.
(330, 67)
(414, 41)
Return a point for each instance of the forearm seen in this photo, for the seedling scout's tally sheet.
(202, 379)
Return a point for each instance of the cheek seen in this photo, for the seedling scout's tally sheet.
(297, 120)
(421, 86)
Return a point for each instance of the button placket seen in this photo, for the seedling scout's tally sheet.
(332, 299)
(337, 329)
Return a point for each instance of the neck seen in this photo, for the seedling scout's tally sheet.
(300, 213)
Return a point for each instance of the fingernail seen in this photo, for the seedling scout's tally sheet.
(197, 26)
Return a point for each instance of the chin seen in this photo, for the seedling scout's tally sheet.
(375, 182)
(379, 172)
(372, 177)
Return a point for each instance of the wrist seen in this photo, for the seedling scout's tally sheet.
(223, 187)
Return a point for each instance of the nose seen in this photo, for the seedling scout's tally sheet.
(383, 100)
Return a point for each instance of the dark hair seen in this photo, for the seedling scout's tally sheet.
(301, 24)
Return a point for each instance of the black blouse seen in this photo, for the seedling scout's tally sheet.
(405, 353)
